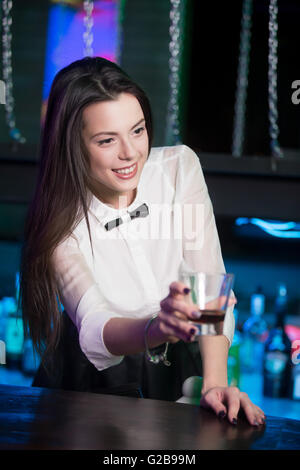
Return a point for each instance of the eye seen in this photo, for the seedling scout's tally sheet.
(139, 130)
(105, 141)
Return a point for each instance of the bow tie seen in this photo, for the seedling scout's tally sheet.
(141, 211)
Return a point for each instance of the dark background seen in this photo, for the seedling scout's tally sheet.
(215, 30)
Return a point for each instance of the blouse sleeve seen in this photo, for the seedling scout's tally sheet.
(201, 245)
(83, 301)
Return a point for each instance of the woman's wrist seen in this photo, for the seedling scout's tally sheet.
(212, 380)
(154, 358)
(154, 336)
(207, 385)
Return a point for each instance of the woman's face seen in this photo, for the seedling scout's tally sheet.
(115, 136)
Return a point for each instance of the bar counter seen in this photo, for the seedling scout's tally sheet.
(44, 419)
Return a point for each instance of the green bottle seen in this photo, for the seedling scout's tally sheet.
(233, 364)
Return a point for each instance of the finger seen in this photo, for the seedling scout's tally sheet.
(260, 415)
(233, 403)
(256, 410)
(212, 400)
(178, 288)
(177, 324)
(168, 307)
(172, 333)
(248, 409)
(251, 411)
(232, 301)
(171, 325)
(261, 411)
(170, 304)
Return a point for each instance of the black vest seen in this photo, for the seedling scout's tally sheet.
(134, 376)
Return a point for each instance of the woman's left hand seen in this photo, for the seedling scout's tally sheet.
(228, 401)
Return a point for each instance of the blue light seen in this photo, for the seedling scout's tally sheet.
(274, 228)
(241, 221)
(65, 36)
(59, 23)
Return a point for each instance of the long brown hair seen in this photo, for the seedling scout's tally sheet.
(60, 199)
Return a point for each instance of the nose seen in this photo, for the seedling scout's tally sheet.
(127, 150)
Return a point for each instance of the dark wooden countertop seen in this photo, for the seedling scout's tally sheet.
(43, 419)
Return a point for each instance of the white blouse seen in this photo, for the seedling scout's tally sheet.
(131, 266)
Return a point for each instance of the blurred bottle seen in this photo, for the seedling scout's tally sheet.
(14, 334)
(2, 321)
(255, 333)
(295, 373)
(295, 383)
(30, 360)
(277, 357)
(2, 334)
(17, 288)
(233, 365)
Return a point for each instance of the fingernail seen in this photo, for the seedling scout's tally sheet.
(191, 337)
(222, 414)
(186, 290)
(234, 421)
(255, 423)
(196, 314)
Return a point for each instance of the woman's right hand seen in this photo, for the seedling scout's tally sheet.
(176, 312)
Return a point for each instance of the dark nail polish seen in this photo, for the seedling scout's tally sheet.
(196, 314)
(234, 421)
(193, 331)
(186, 290)
(222, 414)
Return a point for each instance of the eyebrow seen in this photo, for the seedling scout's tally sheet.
(116, 133)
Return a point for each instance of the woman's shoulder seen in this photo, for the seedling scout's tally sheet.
(174, 152)
(177, 157)
(171, 165)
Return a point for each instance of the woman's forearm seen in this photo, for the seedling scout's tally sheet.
(123, 336)
(214, 354)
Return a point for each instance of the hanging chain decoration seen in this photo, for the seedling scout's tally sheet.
(88, 38)
(242, 80)
(7, 72)
(272, 74)
(175, 48)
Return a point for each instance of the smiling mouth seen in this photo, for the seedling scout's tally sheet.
(126, 171)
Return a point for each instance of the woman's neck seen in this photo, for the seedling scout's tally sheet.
(118, 200)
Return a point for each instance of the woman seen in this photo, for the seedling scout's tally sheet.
(100, 188)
